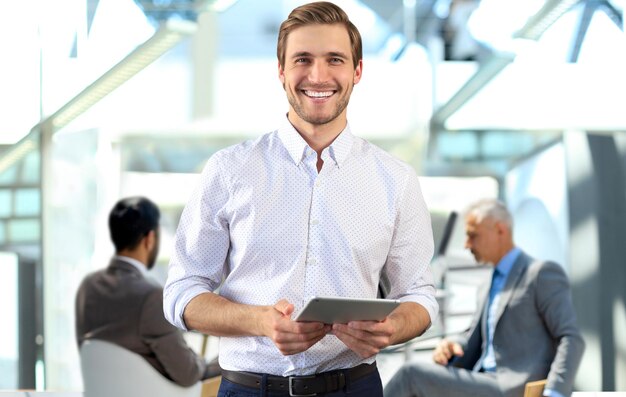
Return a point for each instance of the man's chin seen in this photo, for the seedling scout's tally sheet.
(317, 119)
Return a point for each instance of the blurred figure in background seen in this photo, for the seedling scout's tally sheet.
(525, 331)
(123, 305)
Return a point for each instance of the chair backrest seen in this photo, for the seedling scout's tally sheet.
(535, 389)
(110, 370)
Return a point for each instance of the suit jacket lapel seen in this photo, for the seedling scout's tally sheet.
(483, 316)
(515, 276)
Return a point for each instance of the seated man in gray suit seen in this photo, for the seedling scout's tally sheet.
(526, 329)
(122, 305)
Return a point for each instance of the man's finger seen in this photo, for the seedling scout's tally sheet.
(457, 350)
(284, 307)
(290, 348)
(358, 346)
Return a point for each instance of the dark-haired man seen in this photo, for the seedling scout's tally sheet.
(309, 209)
(122, 305)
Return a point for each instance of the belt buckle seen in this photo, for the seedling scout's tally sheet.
(291, 392)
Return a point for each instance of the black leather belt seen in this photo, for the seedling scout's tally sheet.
(302, 386)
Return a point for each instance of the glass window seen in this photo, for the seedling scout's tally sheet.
(5, 203)
(30, 169)
(506, 144)
(24, 230)
(8, 177)
(457, 144)
(27, 202)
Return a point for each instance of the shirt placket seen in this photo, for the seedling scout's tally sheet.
(312, 261)
(314, 237)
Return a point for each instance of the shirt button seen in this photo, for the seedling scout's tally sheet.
(314, 222)
(312, 261)
(317, 183)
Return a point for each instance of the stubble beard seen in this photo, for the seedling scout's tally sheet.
(152, 256)
(319, 119)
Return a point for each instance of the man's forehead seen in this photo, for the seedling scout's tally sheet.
(318, 37)
(471, 219)
(473, 222)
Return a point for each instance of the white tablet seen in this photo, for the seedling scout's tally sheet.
(337, 310)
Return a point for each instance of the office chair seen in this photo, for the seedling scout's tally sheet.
(535, 389)
(110, 370)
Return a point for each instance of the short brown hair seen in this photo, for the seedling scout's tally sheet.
(323, 13)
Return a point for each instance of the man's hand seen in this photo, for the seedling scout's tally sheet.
(445, 350)
(291, 337)
(366, 338)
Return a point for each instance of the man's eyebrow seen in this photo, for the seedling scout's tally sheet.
(301, 54)
(337, 54)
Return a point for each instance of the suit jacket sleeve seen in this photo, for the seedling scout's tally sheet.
(181, 364)
(555, 302)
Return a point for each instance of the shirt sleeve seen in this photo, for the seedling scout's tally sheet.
(200, 246)
(407, 269)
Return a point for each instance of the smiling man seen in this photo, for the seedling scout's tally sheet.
(307, 210)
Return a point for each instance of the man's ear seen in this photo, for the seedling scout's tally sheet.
(150, 240)
(502, 228)
(358, 72)
(281, 74)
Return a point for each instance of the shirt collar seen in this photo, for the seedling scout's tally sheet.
(297, 146)
(136, 264)
(507, 261)
(342, 145)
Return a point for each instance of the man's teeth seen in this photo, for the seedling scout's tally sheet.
(317, 94)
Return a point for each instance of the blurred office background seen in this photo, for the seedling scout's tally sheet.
(99, 99)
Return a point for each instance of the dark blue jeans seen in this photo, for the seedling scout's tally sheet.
(367, 386)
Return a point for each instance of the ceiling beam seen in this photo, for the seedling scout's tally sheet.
(487, 71)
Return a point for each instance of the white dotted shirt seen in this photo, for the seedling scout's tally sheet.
(263, 225)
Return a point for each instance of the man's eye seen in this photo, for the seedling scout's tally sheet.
(336, 60)
(301, 60)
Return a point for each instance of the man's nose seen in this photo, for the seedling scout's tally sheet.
(319, 72)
